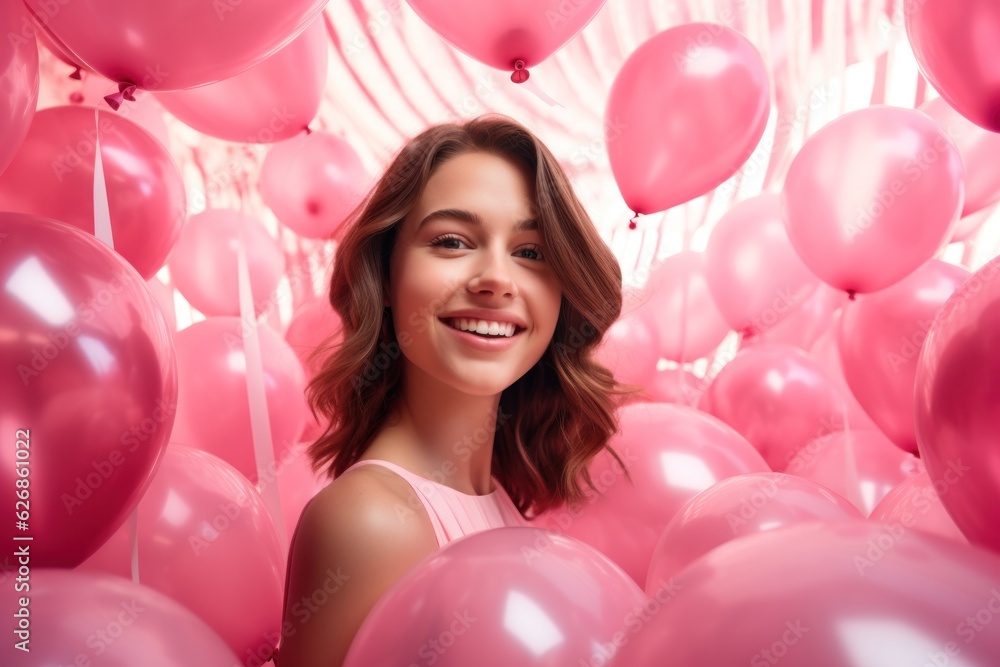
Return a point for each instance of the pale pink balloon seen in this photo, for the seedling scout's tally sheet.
(777, 398)
(679, 303)
(916, 503)
(737, 507)
(957, 55)
(675, 385)
(849, 593)
(501, 32)
(862, 466)
(547, 597)
(312, 182)
(90, 388)
(755, 276)
(53, 176)
(978, 148)
(213, 410)
(274, 100)
(310, 328)
(956, 395)
(192, 44)
(968, 226)
(827, 355)
(630, 349)
(207, 541)
(671, 452)
(80, 618)
(880, 337)
(873, 195)
(297, 484)
(18, 79)
(806, 323)
(204, 263)
(688, 107)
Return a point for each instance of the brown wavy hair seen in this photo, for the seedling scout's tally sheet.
(564, 408)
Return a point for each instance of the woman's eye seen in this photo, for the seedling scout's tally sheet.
(534, 249)
(441, 240)
(446, 241)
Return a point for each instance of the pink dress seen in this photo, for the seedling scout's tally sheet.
(455, 514)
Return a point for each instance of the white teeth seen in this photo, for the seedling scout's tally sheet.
(484, 327)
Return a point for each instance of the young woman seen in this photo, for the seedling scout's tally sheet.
(473, 289)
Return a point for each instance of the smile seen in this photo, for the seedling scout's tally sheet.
(494, 336)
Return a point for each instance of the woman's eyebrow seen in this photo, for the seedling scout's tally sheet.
(471, 218)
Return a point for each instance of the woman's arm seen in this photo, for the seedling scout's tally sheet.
(354, 540)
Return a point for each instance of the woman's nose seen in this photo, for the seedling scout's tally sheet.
(494, 275)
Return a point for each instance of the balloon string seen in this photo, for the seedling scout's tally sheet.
(540, 94)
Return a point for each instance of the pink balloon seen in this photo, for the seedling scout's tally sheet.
(873, 195)
(53, 176)
(204, 262)
(311, 326)
(862, 466)
(688, 107)
(78, 618)
(978, 149)
(680, 304)
(297, 484)
(755, 276)
(672, 452)
(968, 226)
(90, 389)
(18, 79)
(192, 44)
(312, 182)
(777, 398)
(848, 593)
(880, 337)
(675, 385)
(806, 323)
(274, 100)
(957, 394)
(737, 507)
(165, 300)
(500, 33)
(957, 56)
(915, 503)
(630, 349)
(206, 540)
(546, 595)
(827, 355)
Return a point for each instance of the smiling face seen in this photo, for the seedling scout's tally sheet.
(462, 248)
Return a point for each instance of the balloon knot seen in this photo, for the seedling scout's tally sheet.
(76, 74)
(308, 130)
(520, 73)
(634, 222)
(850, 294)
(127, 90)
(114, 100)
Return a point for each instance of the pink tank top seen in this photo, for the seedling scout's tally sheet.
(455, 514)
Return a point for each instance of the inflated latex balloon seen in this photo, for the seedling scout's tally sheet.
(630, 349)
(18, 79)
(916, 503)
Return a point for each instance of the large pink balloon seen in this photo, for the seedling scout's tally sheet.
(297, 484)
(18, 78)
(309, 329)
(978, 149)
(80, 618)
(737, 507)
(957, 394)
(847, 593)
(273, 100)
(916, 503)
(672, 452)
(631, 348)
(957, 55)
(679, 303)
(685, 111)
(755, 276)
(547, 598)
(188, 44)
(880, 337)
(312, 182)
(53, 176)
(89, 387)
(826, 353)
(778, 398)
(220, 557)
(873, 195)
(213, 410)
(204, 263)
(501, 32)
(862, 466)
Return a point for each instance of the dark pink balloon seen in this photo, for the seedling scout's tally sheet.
(691, 104)
(873, 195)
(274, 100)
(80, 618)
(848, 593)
(957, 56)
(777, 398)
(310, 328)
(18, 78)
(213, 410)
(806, 323)
(916, 503)
(192, 44)
(53, 176)
(630, 348)
(737, 507)
(880, 337)
(755, 276)
(204, 263)
(957, 394)
(547, 597)
(90, 388)
(672, 453)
